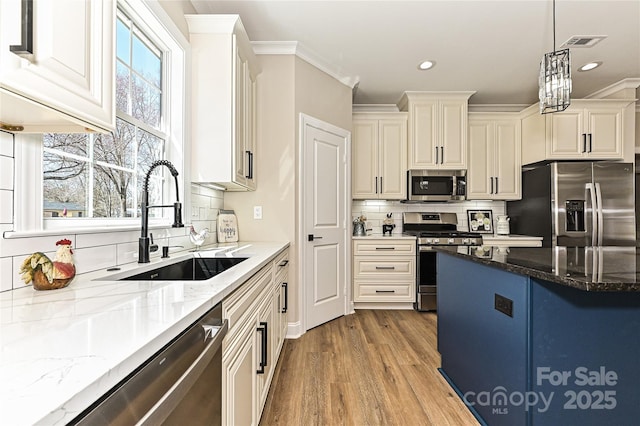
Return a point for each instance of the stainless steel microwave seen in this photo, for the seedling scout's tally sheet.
(436, 185)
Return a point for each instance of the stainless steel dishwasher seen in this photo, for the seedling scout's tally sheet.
(181, 383)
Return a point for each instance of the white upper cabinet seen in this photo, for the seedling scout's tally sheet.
(223, 102)
(588, 129)
(494, 157)
(437, 129)
(66, 83)
(379, 156)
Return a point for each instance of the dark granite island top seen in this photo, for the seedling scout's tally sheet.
(598, 269)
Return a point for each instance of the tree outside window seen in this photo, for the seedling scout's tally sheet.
(101, 175)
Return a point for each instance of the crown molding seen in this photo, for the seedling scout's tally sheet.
(497, 107)
(627, 83)
(374, 108)
(297, 49)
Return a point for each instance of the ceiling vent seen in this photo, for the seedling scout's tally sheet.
(582, 41)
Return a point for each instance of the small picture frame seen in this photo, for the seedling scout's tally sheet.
(480, 221)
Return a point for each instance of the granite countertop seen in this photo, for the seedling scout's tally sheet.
(606, 269)
(60, 350)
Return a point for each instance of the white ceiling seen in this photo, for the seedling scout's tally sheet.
(491, 47)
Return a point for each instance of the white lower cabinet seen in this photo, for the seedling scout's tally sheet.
(239, 390)
(252, 345)
(384, 270)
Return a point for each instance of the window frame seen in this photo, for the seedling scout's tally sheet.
(154, 21)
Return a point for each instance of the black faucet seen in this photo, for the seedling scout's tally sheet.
(143, 241)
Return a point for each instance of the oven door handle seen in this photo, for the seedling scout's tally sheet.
(425, 248)
(170, 400)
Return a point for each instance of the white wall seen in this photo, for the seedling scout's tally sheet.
(287, 86)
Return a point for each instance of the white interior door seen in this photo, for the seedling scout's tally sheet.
(324, 184)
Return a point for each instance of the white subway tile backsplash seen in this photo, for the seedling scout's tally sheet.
(6, 173)
(94, 258)
(6, 206)
(127, 253)
(106, 238)
(376, 211)
(6, 276)
(6, 144)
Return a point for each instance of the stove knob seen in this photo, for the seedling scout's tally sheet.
(466, 241)
(436, 240)
(452, 241)
(429, 241)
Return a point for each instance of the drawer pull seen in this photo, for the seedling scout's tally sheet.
(283, 263)
(385, 291)
(386, 267)
(385, 248)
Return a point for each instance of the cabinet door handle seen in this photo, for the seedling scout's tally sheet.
(385, 291)
(584, 142)
(590, 142)
(442, 155)
(386, 267)
(286, 298)
(249, 174)
(436, 155)
(25, 50)
(491, 178)
(381, 185)
(263, 350)
(376, 184)
(497, 185)
(385, 248)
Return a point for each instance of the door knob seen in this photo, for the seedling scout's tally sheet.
(312, 237)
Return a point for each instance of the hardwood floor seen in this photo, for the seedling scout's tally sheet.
(374, 367)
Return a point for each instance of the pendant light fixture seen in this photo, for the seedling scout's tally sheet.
(555, 77)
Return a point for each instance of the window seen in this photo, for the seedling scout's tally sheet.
(98, 175)
(94, 182)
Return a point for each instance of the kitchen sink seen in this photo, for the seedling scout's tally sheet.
(192, 269)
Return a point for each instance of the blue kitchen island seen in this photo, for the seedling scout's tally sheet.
(542, 336)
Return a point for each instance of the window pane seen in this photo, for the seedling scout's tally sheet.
(150, 149)
(64, 186)
(118, 152)
(123, 41)
(145, 102)
(72, 143)
(123, 83)
(111, 192)
(155, 192)
(145, 61)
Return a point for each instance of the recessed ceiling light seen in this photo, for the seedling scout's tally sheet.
(426, 65)
(589, 66)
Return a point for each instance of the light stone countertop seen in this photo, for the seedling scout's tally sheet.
(391, 237)
(60, 350)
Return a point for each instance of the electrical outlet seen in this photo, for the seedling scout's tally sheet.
(257, 212)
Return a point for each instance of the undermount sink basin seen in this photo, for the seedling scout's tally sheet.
(192, 269)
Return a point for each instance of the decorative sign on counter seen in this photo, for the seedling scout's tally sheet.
(480, 221)
(227, 227)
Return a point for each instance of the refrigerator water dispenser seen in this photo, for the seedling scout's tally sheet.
(574, 210)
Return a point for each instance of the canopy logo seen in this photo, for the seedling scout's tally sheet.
(584, 389)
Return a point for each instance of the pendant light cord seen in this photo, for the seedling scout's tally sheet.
(554, 25)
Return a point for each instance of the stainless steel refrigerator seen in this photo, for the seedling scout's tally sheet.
(577, 204)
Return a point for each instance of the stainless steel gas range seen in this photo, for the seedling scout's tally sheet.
(433, 229)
